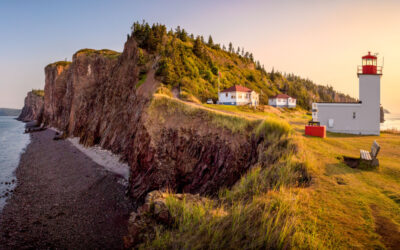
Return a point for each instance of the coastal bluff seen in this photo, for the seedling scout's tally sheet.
(101, 98)
(33, 106)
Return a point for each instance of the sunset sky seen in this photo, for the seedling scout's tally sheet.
(319, 40)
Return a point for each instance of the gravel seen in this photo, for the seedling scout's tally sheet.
(63, 200)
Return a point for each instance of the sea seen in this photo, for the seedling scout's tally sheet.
(392, 121)
(13, 142)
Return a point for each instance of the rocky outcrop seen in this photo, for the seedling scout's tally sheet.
(33, 107)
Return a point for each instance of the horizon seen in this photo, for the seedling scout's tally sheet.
(302, 37)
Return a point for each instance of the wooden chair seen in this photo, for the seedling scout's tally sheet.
(370, 157)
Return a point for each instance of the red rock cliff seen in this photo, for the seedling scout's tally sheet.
(33, 107)
(166, 144)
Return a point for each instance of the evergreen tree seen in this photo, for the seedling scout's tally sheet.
(210, 41)
(272, 75)
(178, 30)
(251, 57)
(183, 35)
(238, 51)
(223, 47)
(242, 51)
(197, 47)
(230, 47)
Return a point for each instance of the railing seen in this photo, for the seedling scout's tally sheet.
(378, 70)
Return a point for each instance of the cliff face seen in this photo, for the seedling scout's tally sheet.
(33, 107)
(166, 143)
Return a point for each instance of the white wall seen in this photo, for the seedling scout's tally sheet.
(367, 120)
(282, 102)
(239, 98)
(370, 96)
(342, 116)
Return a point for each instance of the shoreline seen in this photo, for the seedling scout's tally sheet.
(63, 199)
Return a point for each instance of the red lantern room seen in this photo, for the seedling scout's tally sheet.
(369, 66)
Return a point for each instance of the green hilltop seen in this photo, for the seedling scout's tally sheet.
(193, 65)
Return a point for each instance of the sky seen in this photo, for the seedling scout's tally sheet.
(321, 40)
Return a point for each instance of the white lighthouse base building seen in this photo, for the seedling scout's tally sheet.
(361, 118)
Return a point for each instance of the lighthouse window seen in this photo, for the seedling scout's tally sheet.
(374, 62)
(354, 115)
(364, 61)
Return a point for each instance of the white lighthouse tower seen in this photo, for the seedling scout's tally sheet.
(369, 75)
(361, 117)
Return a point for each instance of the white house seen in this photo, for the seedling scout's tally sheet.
(238, 95)
(282, 101)
(361, 117)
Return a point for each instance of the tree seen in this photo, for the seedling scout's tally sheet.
(183, 35)
(210, 41)
(251, 57)
(242, 51)
(230, 47)
(272, 75)
(223, 47)
(197, 47)
(238, 51)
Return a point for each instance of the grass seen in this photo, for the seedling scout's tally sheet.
(260, 210)
(38, 92)
(59, 63)
(111, 54)
(270, 205)
(165, 107)
(142, 79)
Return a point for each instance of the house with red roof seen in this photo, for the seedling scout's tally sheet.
(238, 95)
(282, 101)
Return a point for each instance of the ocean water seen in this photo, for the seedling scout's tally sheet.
(392, 121)
(13, 142)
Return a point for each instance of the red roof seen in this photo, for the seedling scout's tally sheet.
(237, 88)
(282, 96)
(369, 56)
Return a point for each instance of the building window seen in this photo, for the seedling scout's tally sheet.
(354, 115)
(232, 96)
(226, 94)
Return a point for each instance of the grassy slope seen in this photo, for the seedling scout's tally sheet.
(192, 65)
(342, 213)
(341, 208)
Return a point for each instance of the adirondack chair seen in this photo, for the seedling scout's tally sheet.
(370, 157)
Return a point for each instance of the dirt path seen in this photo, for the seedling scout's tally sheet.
(389, 231)
(63, 200)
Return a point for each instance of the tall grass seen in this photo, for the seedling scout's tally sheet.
(168, 107)
(259, 211)
(272, 128)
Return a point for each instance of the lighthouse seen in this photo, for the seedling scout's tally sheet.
(362, 117)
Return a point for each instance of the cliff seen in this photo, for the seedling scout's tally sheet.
(33, 107)
(167, 143)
